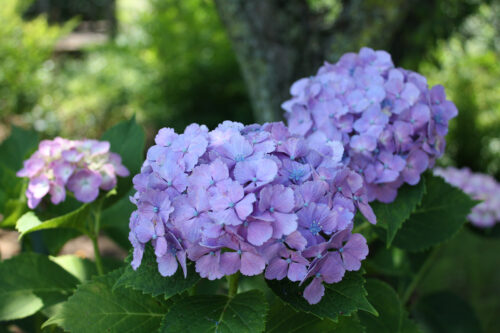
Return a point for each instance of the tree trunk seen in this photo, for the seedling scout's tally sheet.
(272, 41)
(280, 41)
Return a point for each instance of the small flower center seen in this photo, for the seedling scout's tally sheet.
(289, 261)
(315, 228)
(271, 209)
(156, 209)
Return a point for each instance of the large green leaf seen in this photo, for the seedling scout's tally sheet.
(16, 147)
(127, 140)
(468, 266)
(12, 197)
(115, 220)
(440, 215)
(12, 153)
(444, 312)
(283, 318)
(246, 312)
(342, 298)
(391, 216)
(387, 261)
(148, 280)
(95, 307)
(80, 268)
(55, 239)
(30, 282)
(77, 220)
(392, 316)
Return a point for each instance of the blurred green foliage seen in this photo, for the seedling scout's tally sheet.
(172, 65)
(25, 46)
(468, 65)
(199, 77)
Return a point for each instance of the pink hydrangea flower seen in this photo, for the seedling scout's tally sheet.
(79, 166)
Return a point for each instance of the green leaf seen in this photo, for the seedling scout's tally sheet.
(16, 147)
(445, 312)
(387, 261)
(148, 280)
(55, 239)
(127, 140)
(440, 215)
(283, 318)
(12, 197)
(245, 312)
(115, 220)
(342, 298)
(80, 268)
(94, 307)
(392, 316)
(468, 265)
(391, 216)
(30, 282)
(77, 220)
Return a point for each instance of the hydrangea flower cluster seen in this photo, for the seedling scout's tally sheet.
(80, 166)
(251, 199)
(479, 187)
(391, 124)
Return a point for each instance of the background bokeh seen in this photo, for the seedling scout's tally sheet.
(74, 68)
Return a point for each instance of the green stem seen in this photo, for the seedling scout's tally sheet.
(232, 281)
(95, 236)
(420, 275)
(97, 255)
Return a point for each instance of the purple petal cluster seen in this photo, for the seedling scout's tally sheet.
(251, 199)
(80, 166)
(391, 124)
(479, 187)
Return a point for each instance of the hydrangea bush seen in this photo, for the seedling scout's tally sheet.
(328, 224)
(480, 187)
(391, 124)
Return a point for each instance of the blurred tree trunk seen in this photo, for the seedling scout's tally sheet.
(280, 41)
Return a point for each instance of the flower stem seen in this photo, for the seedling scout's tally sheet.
(95, 236)
(232, 281)
(97, 255)
(420, 275)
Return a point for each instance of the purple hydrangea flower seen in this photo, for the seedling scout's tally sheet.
(248, 199)
(391, 124)
(479, 187)
(79, 166)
